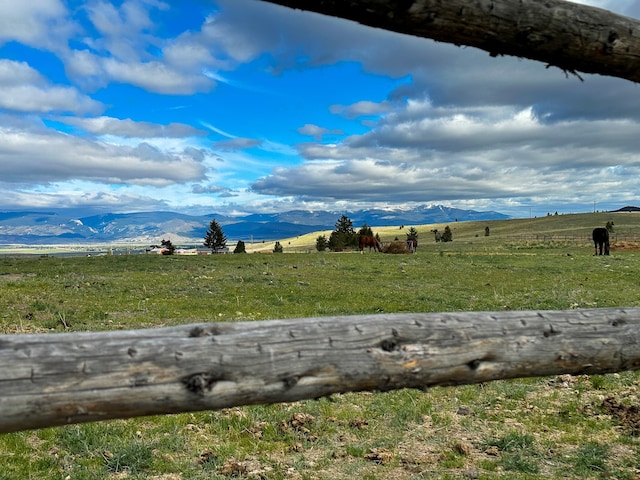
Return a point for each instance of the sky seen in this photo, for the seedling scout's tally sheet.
(240, 106)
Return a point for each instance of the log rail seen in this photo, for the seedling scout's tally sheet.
(57, 379)
(573, 37)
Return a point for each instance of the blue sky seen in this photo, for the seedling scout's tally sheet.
(240, 106)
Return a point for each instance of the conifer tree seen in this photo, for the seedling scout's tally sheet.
(215, 238)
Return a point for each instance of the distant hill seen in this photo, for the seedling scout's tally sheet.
(627, 209)
(70, 226)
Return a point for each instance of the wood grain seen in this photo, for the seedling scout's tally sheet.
(57, 379)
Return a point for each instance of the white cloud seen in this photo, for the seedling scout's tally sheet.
(130, 128)
(41, 23)
(25, 90)
(428, 155)
(318, 132)
(155, 77)
(362, 108)
(83, 195)
(44, 157)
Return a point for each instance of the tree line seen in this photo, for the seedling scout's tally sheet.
(343, 237)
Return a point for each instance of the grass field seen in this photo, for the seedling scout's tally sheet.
(560, 427)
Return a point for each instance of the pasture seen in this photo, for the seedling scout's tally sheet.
(560, 427)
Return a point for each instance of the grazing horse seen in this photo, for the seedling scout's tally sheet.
(601, 240)
(412, 244)
(371, 242)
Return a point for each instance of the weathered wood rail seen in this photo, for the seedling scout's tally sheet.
(570, 36)
(57, 379)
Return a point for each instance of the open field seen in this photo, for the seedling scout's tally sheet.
(574, 228)
(560, 427)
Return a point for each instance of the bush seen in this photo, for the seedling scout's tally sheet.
(396, 247)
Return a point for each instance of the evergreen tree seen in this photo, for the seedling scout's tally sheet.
(321, 243)
(447, 236)
(215, 238)
(343, 236)
(486, 231)
(344, 225)
(240, 248)
(167, 247)
(365, 230)
(412, 234)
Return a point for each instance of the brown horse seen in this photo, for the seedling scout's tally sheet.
(371, 242)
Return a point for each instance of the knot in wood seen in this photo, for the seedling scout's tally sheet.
(199, 383)
(389, 345)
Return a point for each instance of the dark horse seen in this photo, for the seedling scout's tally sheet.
(601, 240)
(412, 244)
(371, 242)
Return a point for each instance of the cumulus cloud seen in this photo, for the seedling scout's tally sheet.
(126, 49)
(130, 128)
(422, 153)
(210, 189)
(318, 132)
(362, 108)
(88, 198)
(43, 24)
(44, 157)
(25, 90)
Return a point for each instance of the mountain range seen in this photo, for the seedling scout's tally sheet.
(66, 226)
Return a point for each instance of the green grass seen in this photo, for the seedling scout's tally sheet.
(525, 428)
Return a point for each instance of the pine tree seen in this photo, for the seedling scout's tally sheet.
(412, 234)
(167, 247)
(321, 243)
(343, 236)
(447, 236)
(240, 247)
(365, 230)
(215, 238)
(344, 225)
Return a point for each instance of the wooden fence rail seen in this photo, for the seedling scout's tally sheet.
(57, 379)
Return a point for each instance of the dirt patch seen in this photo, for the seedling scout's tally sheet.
(627, 415)
(12, 277)
(625, 246)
